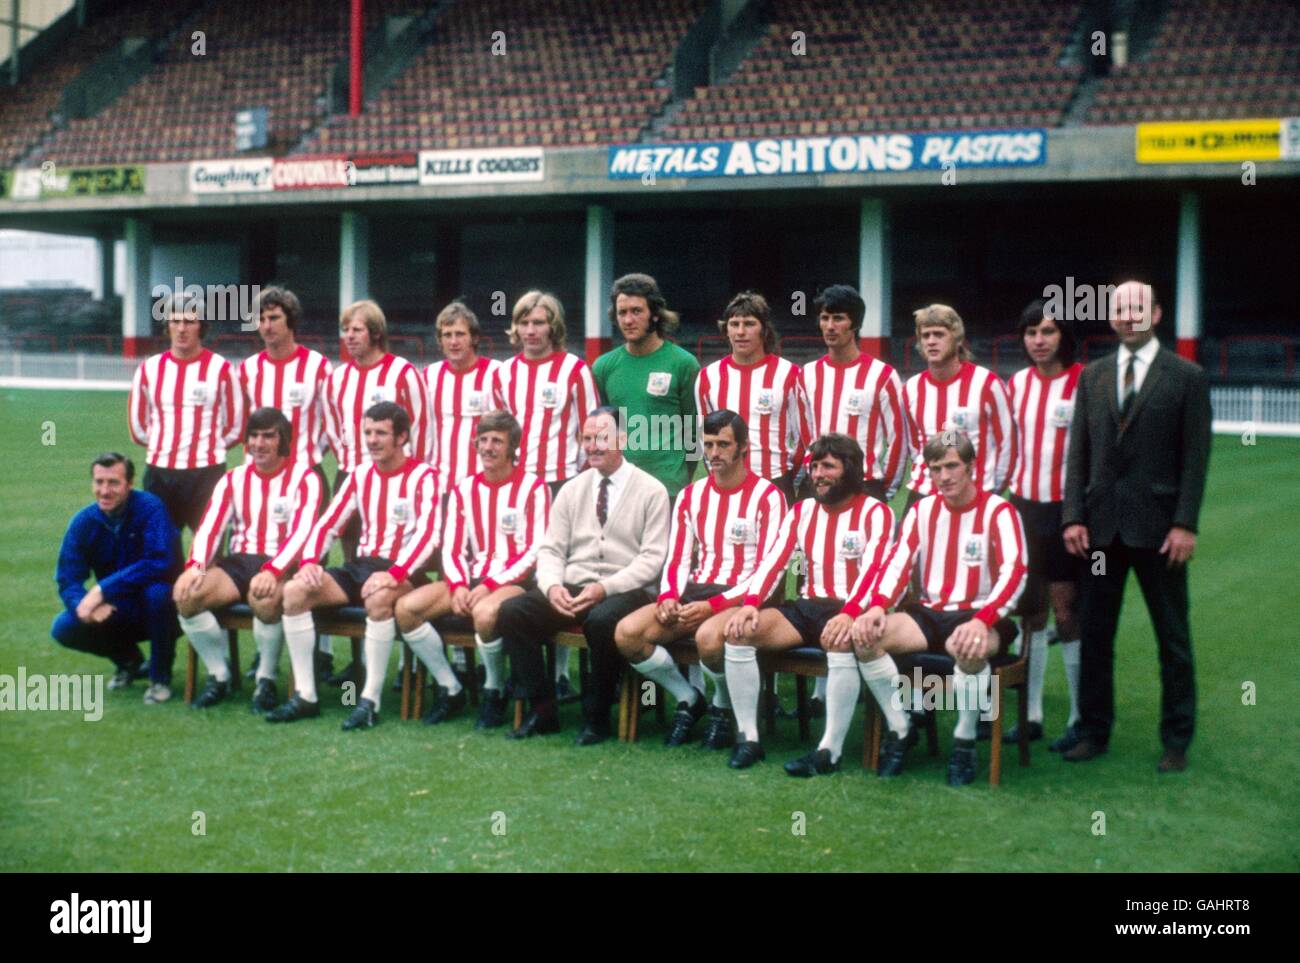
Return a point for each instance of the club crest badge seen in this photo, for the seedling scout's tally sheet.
(852, 545)
(972, 552)
(281, 510)
(198, 394)
(854, 402)
(962, 419)
(740, 532)
(765, 401)
(510, 521)
(381, 393)
(296, 394)
(474, 403)
(1063, 414)
(550, 395)
(401, 511)
(658, 383)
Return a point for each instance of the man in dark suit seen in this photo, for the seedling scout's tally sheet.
(1139, 448)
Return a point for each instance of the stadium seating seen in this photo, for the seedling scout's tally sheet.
(573, 73)
(915, 65)
(1210, 59)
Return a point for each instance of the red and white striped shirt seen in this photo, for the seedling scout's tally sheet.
(267, 514)
(971, 558)
(186, 413)
(551, 397)
(838, 548)
(717, 536)
(765, 394)
(457, 399)
(1044, 409)
(353, 389)
(975, 401)
(864, 400)
(400, 519)
(494, 529)
(297, 386)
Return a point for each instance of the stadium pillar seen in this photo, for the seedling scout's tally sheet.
(137, 311)
(106, 243)
(1187, 297)
(874, 281)
(599, 279)
(355, 76)
(354, 258)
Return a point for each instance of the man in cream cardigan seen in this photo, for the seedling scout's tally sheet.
(600, 561)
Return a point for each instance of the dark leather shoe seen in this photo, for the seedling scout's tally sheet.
(364, 716)
(591, 735)
(535, 725)
(961, 766)
(746, 754)
(293, 710)
(564, 691)
(1174, 760)
(265, 697)
(1065, 741)
(1012, 736)
(491, 709)
(324, 663)
(893, 751)
(684, 720)
(445, 707)
(1085, 749)
(816, 763)
(720, 733)
(213, 692)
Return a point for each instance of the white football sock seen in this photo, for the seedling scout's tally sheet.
(823, 683)
(1037, 673)
(842, 688)
(662, 669)
(969, 692)
(269, 636)
(1070, 656)
(378, 647)
(561, 662)
(326, 645)
(209, 641)
(744, 683)
(426, 643)
(721, 697)
(300, 637)
(494, 662)
(882, 678)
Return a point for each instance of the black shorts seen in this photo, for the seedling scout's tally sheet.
(936, 626)
(1048, 559)
(351, 576)
(241, 568)
(185, 491)
(809, 616)
(700, 592)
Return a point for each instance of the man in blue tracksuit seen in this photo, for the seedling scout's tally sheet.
(130, 544)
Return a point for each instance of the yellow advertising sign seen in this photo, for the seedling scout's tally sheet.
(1211, 141)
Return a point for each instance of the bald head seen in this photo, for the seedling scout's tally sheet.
(1134, 313)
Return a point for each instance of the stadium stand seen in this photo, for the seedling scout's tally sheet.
(1211, 58)
(579, 72)
(925, 64)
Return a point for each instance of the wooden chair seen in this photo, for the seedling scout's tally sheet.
(684, 653)
(456, 631)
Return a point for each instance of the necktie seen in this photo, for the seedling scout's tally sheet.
(602, 502)
(1130, 388)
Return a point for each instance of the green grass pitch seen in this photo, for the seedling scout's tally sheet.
(122, 794)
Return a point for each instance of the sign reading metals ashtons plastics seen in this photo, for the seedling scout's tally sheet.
(481, 166)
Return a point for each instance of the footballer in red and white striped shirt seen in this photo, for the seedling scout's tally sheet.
(288, 376)
(396, 497)
(849, 391)
(955, 393)
(461, 390)
(186, 408)
(268, 504)
(760, 386)
(1043, 398)
(841, 533)
(495, 522)
(550, 391)
(969, 548)
(721, 526)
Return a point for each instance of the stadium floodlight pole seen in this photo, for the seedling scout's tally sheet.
(355, 79)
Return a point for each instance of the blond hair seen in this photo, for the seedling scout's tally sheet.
(374, 319)
(554, 316)
(459, 311)
(942, 316)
